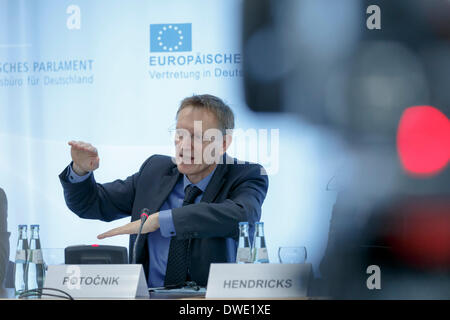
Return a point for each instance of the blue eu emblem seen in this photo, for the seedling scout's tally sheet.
(175, 37)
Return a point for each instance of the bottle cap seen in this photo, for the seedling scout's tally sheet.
(34, 226)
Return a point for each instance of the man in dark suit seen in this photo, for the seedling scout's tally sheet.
(196, 200)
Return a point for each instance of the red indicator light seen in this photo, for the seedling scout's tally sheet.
(423, 140)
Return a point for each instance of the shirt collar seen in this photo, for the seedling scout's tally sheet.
(202, 184)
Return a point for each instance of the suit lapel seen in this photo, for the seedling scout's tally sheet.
(216, 182)
(166, 185)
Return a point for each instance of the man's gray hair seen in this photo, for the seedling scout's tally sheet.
(223, 113)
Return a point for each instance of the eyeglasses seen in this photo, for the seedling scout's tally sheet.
(180, 135)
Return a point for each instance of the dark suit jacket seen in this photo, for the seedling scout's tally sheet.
(235, 193)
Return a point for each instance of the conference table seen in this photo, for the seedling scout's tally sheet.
(306, 289)
(8, 293)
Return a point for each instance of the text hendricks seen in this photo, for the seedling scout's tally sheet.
(256, 284)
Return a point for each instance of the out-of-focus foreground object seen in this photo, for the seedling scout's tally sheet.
(385, 92)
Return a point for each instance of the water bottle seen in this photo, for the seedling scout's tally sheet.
(36, 267)
(21, 279)
(244, 250)
(259, 254)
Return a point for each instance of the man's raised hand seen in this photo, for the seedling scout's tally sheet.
(84, 156)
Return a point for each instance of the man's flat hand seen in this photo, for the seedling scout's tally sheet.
(151, 225)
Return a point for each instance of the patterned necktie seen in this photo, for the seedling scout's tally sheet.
(176, 271)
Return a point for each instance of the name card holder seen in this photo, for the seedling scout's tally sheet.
(266, 280)
(123, 281)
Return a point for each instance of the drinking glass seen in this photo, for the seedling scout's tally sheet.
(292, 254)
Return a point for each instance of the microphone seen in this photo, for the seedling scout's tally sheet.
(144, 216)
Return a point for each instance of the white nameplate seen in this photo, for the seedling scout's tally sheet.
(98, 280)
(265, 280)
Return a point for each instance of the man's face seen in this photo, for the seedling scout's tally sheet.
(192, 124)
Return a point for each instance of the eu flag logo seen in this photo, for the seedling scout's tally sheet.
(175, 37)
